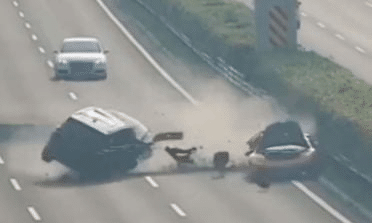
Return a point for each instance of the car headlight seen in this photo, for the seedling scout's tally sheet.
(99, 62)
(62, 61)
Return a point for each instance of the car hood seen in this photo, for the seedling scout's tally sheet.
(91, 57)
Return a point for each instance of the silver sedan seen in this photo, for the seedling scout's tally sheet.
(81, 58)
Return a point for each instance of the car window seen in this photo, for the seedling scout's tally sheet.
(81, 47)
(279, 134)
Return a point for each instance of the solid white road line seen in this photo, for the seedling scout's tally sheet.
(193, 101)
(41, 49)
(28, 25)
(360, 49)
(50, 63)
(34, 37)
(321, 25)
(21, 14)
(178, 210)
(321, 202)
(73, 96)
(339, 36)
(1, 161)
(369, 4)
(34, 213)
(15, 184)
(146, 54)
(151, 181)
(15, 3)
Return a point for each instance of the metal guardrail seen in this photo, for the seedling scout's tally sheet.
(236, 78)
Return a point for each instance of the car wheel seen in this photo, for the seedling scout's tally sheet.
(46, 156)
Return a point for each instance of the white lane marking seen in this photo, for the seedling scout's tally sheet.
(73, 96)
(339, 36)
(41, 49)
(369, 4)
(303, 14)
(34, 213)
(15, 184)
(34, 37)
(360, 49)
(15, 3)
(146, 54)
(1, 161)
(151, 181)
(50, 63)
(28, 25)
(321, 202)
(321, 25)
(174, 206)
(21, 14)
(178, 210)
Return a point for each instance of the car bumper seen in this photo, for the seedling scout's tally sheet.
(306, 159)
(81, 70)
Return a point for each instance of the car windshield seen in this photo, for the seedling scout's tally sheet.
(81, 47)
(279, 134)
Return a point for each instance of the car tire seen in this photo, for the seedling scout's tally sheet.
(46, 156)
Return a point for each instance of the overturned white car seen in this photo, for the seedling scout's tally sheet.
(97, 142)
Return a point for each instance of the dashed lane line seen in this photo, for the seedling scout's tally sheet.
(41, 49)
(73, 96)
(15, 3)
(21, 14)
(50, 63)
(193, 101)
(34, 37)
(369, 4)
(27, 25)
(321, 25)
(15, 184)
(360, 49)
(178, 210)
(321, 202)
(339, 36)
(1, 161)
(33, 213)
(151, 181)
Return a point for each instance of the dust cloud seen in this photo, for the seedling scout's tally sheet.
(223, 121)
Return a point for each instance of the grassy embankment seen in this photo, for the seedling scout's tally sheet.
(300, 80)
(227, 30)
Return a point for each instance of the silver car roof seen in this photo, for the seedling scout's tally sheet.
(108, 122)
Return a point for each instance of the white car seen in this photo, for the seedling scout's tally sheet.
(95, 141)
(283, 147)
(81, 58)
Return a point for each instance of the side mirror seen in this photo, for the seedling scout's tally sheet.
(106, 51)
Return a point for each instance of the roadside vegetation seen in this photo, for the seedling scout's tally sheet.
(226, 29)
(302, 81)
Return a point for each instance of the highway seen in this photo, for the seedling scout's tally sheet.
(339, 30)
(33, 191)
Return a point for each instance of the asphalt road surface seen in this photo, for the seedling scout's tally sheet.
(34, 191)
